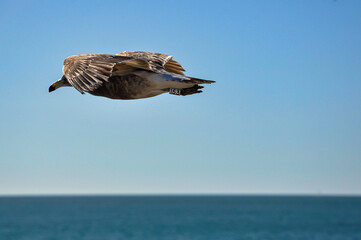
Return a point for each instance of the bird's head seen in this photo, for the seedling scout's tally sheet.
(62, 82)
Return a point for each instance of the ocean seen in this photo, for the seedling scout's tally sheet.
(180, 217)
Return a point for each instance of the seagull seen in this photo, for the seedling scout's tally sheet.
(127, 75)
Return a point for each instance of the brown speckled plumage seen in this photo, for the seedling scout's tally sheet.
(127, 75)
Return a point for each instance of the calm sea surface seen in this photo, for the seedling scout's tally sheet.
(180, 217)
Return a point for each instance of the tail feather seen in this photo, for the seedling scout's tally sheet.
(200, 81)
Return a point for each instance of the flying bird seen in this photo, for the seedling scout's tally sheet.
(127, 75)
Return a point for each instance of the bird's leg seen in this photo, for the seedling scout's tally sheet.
(174, 91)
(185, 91)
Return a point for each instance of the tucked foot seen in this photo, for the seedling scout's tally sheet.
(175, 91)
(191, 90)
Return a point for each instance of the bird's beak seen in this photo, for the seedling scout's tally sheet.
(51, 88)
(55, 85)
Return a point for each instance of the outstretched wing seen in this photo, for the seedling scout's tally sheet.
(86, 72)
(157, 61)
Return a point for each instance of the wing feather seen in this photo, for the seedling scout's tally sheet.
(93, 78)
(88, 71)
(76, 85)
(156, 61)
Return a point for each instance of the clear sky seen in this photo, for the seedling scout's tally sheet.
(283, 117)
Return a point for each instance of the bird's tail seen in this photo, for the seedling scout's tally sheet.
(200, 81)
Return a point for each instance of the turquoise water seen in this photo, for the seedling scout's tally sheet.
(180, 217)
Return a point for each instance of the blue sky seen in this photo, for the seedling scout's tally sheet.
(283, 117)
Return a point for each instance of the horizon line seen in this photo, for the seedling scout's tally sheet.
(181, 195)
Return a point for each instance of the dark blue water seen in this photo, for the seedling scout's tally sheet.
(176, 217)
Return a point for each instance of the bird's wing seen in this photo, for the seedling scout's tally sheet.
(156, 61)
(87, 72)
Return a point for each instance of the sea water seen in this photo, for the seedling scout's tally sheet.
(180, 217)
